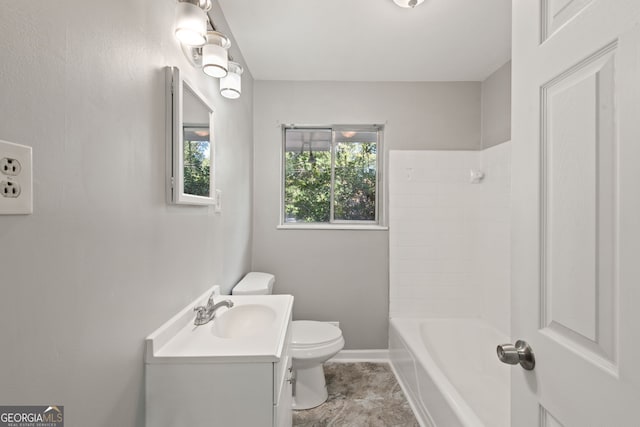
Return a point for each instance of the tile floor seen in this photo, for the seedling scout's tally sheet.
(360, 394)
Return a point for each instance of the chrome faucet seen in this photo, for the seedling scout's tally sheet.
(205, 314)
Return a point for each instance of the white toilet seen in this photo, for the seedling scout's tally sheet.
(312, 344)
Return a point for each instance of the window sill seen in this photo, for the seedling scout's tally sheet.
(367, 227)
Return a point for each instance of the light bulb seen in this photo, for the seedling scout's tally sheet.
(191, 24)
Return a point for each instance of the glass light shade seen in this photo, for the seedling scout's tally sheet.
(231, 85)
(408, 3)
(215, 60)
(191, 24)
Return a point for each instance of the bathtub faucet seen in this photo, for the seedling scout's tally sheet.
(205, 314)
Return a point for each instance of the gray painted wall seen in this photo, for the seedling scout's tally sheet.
(343, 275)
(103, 261)
(496, 107)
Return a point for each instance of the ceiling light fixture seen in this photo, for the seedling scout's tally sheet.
(231, 84)
(408, 3)
(191, 21)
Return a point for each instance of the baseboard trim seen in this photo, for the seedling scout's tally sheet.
(351, 356)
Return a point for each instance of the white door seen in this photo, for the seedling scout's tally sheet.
(576, 211)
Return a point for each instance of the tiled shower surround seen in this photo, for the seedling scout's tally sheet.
(449, 238)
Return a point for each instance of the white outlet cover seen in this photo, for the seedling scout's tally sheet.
(23, 203)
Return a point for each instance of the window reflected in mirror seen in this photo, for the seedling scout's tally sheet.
(197, 160)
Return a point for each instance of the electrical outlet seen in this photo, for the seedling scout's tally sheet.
(9, 166)
(10, 189)
(16, 179)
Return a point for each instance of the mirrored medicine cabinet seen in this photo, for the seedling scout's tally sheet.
(190, 143)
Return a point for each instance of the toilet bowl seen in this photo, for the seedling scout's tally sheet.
(312, 344)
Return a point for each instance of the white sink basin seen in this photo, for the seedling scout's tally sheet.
(253, 330)
(243, 321)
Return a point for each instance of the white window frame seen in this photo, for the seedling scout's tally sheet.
(378, 223)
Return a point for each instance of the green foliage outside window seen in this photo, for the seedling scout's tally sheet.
(308, 184)
(355, 182)
(197, 168)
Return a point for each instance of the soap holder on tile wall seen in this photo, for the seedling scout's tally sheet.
(476, 176)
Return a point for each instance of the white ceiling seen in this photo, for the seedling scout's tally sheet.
(371, 40)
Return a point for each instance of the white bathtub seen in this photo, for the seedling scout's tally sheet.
(449, 369)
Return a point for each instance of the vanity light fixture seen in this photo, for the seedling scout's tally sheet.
(191, 21)
(215, 59)
(408, 3)
(207, 49)
(231, 84)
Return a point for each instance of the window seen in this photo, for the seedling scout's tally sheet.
(331, 174)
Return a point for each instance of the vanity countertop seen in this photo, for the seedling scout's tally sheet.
(180, 341)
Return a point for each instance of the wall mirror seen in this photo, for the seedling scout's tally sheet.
(190, 143)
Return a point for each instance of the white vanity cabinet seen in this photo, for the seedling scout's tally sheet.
(283, 386)
(217, 385)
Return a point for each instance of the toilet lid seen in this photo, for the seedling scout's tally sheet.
(308, 332)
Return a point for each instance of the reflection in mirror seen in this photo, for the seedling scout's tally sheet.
(191, 169)
(196, 147)
(197, 160)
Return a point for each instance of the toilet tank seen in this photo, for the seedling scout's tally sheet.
(255, 283)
